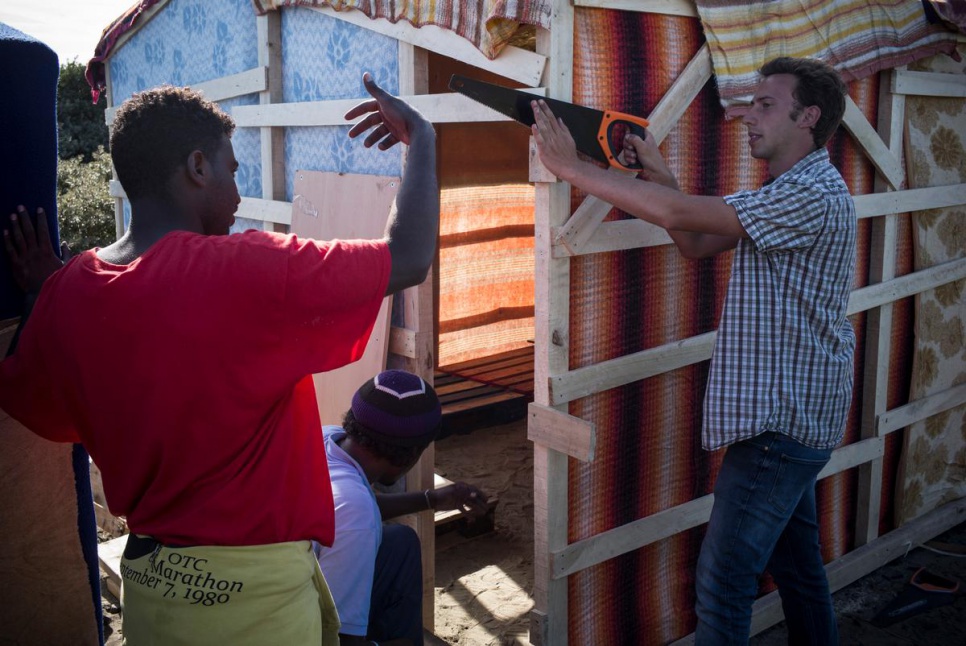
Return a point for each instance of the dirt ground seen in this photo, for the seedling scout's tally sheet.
(484, 584)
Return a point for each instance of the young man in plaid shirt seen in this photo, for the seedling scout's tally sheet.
(780, 382)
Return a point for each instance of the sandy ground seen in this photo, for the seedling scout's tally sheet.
(484, 585)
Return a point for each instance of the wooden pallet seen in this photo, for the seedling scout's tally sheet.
(485, 392)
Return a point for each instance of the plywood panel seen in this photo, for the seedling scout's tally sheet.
(329, 206)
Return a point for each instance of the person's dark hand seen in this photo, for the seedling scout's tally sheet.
(392, 119)
(462, 496)
(32, 259)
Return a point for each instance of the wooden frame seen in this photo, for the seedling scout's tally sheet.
(583, 233)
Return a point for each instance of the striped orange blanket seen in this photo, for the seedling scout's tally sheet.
(857, 37)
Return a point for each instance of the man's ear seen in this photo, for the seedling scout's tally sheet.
(197, 168)
(809, 116)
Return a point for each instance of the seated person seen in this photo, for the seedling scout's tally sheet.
(374, 570)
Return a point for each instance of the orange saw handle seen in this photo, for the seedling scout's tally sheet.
(629, 124)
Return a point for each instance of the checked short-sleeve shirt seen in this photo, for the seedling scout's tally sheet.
(782, 360)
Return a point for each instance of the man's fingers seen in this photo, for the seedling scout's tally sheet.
(27, 224)
(12, 253)
(43, 232)
(365, 107)
(16, 230)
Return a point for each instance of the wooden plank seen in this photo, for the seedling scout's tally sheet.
(576, 232)
(882, 268)
(562, 432)
(631, 536)
(524, 353)
(402, 342)
(898, 288)
(664, 524)
(513, 63)
(921, 409)
(222, 88)
(275, 211)
(551, 334)
(875, 149)
(621, 235)
(321, 203)
(853, 455)
(629, 368)
(448, 107)
(271, 140)
(109, 556)
(666, 7)
(623, 370)
(496, 397)
(928, 84)
(917, 199)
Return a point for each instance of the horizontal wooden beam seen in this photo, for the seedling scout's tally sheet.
(512, 63)
(627, 538)
(667, 7)
(251, 81)
(896, 289)
(438, 108)
(613, 373)
(915, 199)
(664, 524)
(605, 375)
(852, 455)
(561, 432)
(921, 409)
(928, 84)
(255, 208)
(622, 235)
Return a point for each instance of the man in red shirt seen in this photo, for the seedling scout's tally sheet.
(182, 357)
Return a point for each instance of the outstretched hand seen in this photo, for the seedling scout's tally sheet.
(462, 496)
(392, 119)
(554, 142)
(32, 259)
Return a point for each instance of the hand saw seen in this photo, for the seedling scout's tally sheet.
(598, 134)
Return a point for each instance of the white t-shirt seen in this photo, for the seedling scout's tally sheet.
(349, 564)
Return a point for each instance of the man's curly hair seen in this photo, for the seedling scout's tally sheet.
(398, 456)
(154, 132)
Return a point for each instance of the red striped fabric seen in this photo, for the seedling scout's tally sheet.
(648, 446)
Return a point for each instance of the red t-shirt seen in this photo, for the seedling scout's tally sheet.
(187, 377)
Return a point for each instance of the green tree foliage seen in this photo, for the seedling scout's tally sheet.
(80, 123)
(85, 207)
(84, 203)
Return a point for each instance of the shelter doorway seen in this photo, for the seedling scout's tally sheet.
(484, 278)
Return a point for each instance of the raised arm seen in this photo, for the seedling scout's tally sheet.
(413, 225)
(700, 226)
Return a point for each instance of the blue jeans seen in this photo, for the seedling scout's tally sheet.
(764, 517)
(396, 604)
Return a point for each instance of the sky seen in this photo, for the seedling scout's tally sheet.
(69, 27)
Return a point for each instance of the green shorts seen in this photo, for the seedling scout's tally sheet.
(252, 595)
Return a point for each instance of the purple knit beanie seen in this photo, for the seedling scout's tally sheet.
(399, 408)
